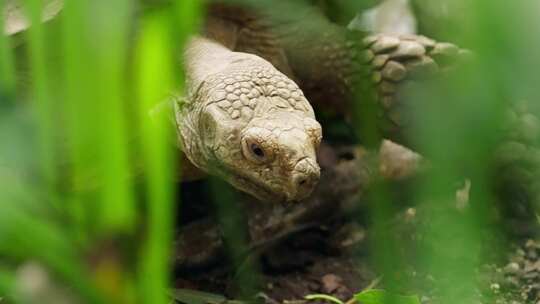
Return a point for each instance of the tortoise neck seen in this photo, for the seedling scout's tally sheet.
(204, 57)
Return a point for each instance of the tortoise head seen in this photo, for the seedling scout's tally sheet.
(279, 154)
(261, 142)
(273, 157)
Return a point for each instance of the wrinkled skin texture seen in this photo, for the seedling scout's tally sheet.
(222, 125)
(240, 103)
(248, 123)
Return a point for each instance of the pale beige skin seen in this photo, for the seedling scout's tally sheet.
(248, 123)
(240, 105)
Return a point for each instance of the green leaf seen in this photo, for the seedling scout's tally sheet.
(188, 296)
(324, 297)
(376, 296)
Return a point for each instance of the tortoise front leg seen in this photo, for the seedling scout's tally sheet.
(336, 66)
(332, 64)
(346, 71)
(395, 64)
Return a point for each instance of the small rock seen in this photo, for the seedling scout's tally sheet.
(396, 161)
(512, 268)
(532, 244)
(351, 235)
(531, 275)
(530, 267)
(410, 215)
(330, 283)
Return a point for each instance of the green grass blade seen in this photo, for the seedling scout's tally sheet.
(7, 284)
(111, 37)
(41, 92)
(154, 81)
(76, 106)
(376, 296)
(27, 237)
(7, 71)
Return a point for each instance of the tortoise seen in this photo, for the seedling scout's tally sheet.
(254, 78)
(254, 83)
(245, 116)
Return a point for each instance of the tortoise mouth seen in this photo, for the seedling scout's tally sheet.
(252, 186)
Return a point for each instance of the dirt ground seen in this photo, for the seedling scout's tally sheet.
(327, 247)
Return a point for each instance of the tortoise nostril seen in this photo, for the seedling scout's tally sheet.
(304, 178)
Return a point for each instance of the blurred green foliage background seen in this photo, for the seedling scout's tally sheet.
(75, 93)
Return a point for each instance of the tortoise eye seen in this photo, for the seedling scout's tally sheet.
(257, 151)
(258, 145)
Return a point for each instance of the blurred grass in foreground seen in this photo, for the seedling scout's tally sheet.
(94, 76)
(459, 127)
(69, 205)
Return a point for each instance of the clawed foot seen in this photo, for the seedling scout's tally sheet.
(398, 63)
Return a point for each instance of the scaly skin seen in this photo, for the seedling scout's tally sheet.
(337, 67)
(248, 123)
(399, 61)
(327, 61)
(243, 120)
(334, 66)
